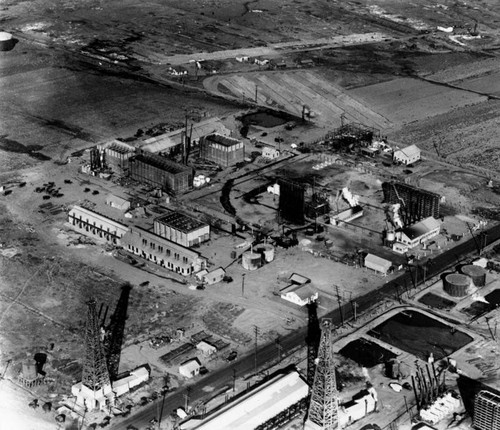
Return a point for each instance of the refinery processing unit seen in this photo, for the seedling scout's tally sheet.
(250, 215)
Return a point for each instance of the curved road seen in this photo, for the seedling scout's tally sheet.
(223, 378)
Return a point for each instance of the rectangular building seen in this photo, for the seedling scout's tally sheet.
(181, 229)
(225, 151)
(161, 172)
(486, 411)
(418, 233)
(95, 225)
(117, 154)
(408, 155)
(162, 251)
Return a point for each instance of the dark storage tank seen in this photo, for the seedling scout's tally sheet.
(456, 284)
(476, 273)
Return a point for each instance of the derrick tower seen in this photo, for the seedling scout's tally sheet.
(95, 376)
(323, 405)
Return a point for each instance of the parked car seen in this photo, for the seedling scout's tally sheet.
(232, 356)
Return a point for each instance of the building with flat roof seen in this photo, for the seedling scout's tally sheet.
(117, 154)
(163, 252)
(190, 368)
(161, 172)
(181, 229)
(260, 405)
(225, 151)
(486, 411)
(95, 225)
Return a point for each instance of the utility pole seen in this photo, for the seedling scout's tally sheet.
(355, 310)
(234, 380)
(243, 285)
(186, 398)
(397, 293)
(278, 345)
(256, 89)
(340, 306)
(256, 331)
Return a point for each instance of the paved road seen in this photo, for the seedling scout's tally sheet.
(267, 354)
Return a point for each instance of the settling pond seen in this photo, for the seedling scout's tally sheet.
(480, 308)
(419, 334)
(266, 119)
(436, 301)
(366, 353)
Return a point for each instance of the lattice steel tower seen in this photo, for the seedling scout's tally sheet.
(323, 405)
(95, 373)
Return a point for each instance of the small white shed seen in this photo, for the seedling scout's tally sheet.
(190, 368)
(378, 264)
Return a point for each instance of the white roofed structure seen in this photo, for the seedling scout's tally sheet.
(255, 407)
(378, 264)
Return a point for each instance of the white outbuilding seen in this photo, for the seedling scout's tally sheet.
(378, 264)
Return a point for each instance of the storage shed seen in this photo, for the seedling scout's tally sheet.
(117, 202)
(378, 264)
(190, 368)
(408, 155)
(214, 276)
(206, 347)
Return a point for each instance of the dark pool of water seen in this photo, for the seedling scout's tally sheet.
(436, 301)
(479, 308)
(419, 334)
(265, 119)
(366, 353)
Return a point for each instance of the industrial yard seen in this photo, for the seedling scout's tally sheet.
(339, 152)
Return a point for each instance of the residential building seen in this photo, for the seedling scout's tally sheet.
(163, 252)
(95, 225)
(417, 234)
(377, 263)
(408, 155)
(161, 172)
(117, 202)
(181, 229)
(225, 151)
(486, 411)
(190, 368)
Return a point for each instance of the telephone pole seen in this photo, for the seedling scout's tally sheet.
(256, 331)
(340, 306)
(243, 285)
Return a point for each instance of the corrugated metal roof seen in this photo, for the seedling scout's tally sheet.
(257, 406)
(421, 228)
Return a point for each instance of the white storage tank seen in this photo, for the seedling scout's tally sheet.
(6, 41)
(266, 251)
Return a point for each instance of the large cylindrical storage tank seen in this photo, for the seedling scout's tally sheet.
(251, 260)
(266, 250)
(476, 273)
(456, 284)
(28, 370)
(6, 41)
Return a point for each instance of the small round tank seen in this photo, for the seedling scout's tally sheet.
(28, 370)
(456, 284)
(6, 41)
(251, 260)
(266, 250)
(476, 273)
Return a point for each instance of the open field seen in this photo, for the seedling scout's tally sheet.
(290, 91)
(407, 100)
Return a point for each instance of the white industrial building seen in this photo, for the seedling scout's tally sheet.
(378, 264)
(361, 405)
(181, 229)
(256, 407)
(190, 368)
(416, 234)
(408, 155)
(95, 225)
(300, 295)
(163, 252)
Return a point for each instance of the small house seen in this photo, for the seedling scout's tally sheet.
(206, 347)
(190, 368)
(270, 153)
(214, 276)
(408, 155)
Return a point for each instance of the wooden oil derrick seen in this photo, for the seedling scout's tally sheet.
(313, 339)
(323, 405)
(95, 372)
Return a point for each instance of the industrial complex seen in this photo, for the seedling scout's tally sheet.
(250, 215)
